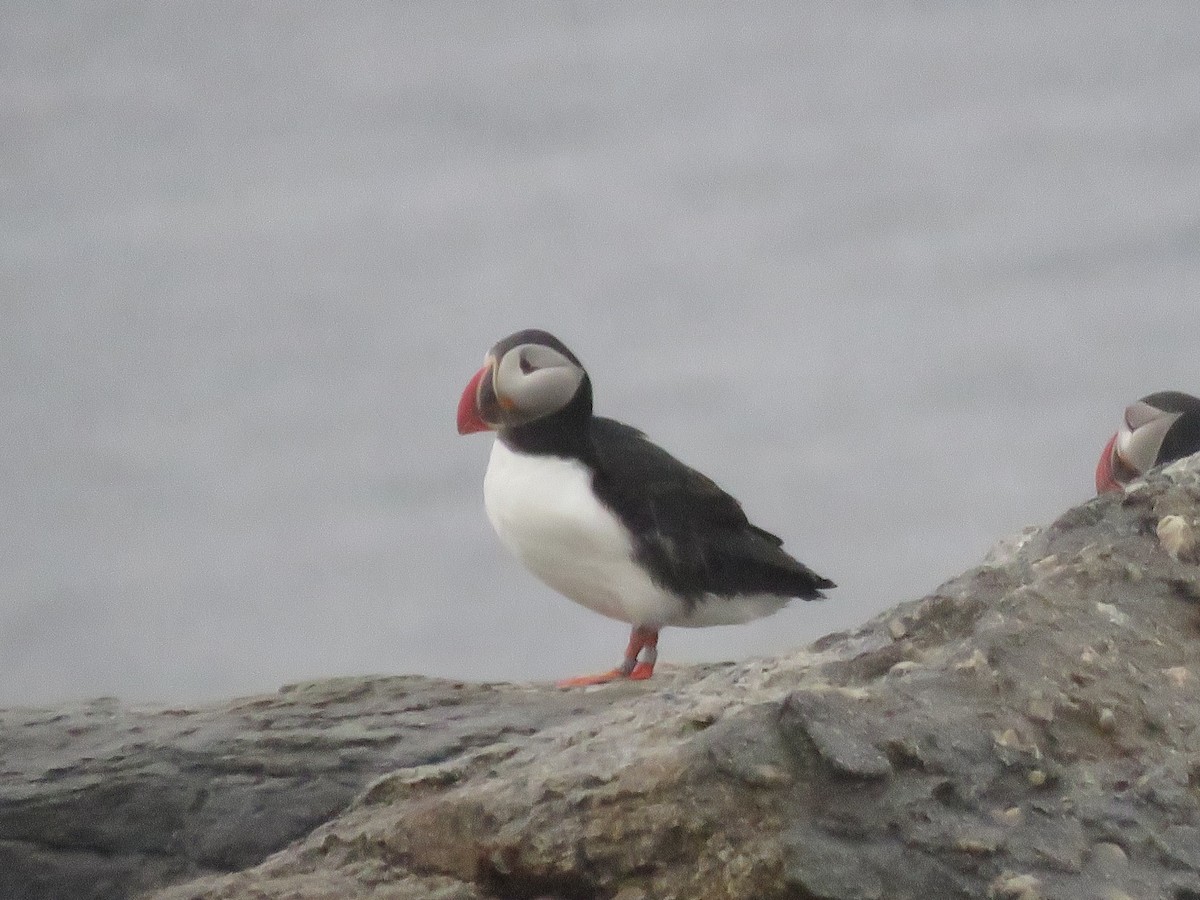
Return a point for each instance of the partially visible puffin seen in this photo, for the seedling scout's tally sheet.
(1158, 429)
(604, 516)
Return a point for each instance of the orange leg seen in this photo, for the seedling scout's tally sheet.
(649, 650)
(643, 641)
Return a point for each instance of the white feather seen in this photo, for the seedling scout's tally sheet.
(545, 512)
(1141, 435)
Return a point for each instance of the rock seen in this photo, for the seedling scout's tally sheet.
(837, 730)
(1108, 858)
(1018, 887)
(100, 798)
(749, 747)
(820, 866)
(1030, 731)
(1177, 536)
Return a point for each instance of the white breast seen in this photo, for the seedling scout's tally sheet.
(545, 512)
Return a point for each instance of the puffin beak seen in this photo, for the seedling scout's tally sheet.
(469, 419)
(1105, 480)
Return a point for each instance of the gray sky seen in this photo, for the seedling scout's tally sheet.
(888, 275)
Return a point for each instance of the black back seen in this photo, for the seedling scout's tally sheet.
(692, 537)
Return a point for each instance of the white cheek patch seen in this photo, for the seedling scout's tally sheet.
(1138, 446)
(548, 390)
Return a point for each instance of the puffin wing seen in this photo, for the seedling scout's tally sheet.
(692, 537)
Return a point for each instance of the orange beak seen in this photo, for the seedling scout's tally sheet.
(1105, 481)
(469, 420)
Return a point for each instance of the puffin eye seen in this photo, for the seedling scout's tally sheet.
(526, 365)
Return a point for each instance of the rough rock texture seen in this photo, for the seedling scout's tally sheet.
(99, 800)
(1029, 730)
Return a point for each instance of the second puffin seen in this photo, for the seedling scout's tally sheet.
(609, 519)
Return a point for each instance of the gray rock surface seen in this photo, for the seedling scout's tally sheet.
(99, 800)
(1028, 730)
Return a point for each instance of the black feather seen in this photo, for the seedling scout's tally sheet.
(691, 536)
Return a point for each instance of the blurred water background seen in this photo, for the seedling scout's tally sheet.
(888, 272)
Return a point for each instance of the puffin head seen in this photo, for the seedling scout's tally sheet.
(527, 376)
(1158, 429)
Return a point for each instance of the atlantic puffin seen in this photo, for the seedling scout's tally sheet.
(609, 519)
(1158, 429)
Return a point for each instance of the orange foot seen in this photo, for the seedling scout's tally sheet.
(586, 680)
(640, 672)
(642, 640)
